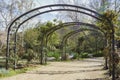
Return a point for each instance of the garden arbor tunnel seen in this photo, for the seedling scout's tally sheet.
(57, 27)
(52, 8)
(67, 24)
(52, 30)
(77, 24)
(65, 38)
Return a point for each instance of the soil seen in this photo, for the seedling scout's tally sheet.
(87, 69)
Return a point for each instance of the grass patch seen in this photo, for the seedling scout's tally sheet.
(7, 73)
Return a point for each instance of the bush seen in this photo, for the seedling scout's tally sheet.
(3, 72)
(29, 55)
(99, 54)
(56, 55)
(75, 56)
(11, 72)
(84, 55)
(50, 54)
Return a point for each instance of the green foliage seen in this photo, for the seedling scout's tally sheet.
(31, 37)
(35, 36)
(50, 54)
(84, 55)
(105, 25)
(75, 56)
(55, 54)
(3, 72)
(29, 55)
(98, 54)
(43, 29)
(3, 51)
(80, 44)
(11, 72)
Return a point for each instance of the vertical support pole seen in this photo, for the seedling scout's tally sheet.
(96, 44)
(45, 50)
(62, 51)
(41, 52)
(65, 52)
(15, 45)
(113, 53)
(63, 56)
(7, 51)
(65, 43)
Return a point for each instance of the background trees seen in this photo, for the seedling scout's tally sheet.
(10, 9)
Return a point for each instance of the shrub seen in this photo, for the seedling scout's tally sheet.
(99, 54)
(84, 55)
(11, 72)
(3, 72)
(56, 55)
(50, 54)
(29, 55)
(75, 56)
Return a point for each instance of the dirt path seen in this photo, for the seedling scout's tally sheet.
(74, 70)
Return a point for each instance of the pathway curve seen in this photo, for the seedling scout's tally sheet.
(88, 69)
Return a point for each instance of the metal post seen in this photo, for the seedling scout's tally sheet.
(41, 52)
(7, 51)
(62, 51)
(15, 45)
(113, 53)
(45, 50)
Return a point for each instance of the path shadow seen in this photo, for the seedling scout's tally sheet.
(79, 66)
(88, 60)
(95, 79)
(62, 72)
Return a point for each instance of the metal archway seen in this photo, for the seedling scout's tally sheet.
(78, 24)
(62, 7)
(64, 40)
(53, 29)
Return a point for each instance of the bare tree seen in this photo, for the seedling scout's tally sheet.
(10, 9)
(103, 5)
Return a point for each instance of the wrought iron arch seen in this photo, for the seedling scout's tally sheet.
(64, 40)
(67, 24)
(61, 8)
(50, 31)
(74, 10)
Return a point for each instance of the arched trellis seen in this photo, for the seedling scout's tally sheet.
(50, 31)
(54, 28)
(60, 7)
(67, 24)
(64, 40)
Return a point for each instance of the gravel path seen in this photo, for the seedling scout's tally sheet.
(88, 69)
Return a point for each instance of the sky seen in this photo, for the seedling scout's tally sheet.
(44, 2)
(48, 16)
(52, 15)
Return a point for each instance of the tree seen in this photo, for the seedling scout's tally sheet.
(29, 55)
(104, 5)
(10, 9)
(31, 38)
(79, 46)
